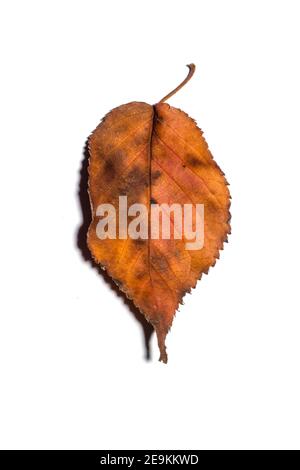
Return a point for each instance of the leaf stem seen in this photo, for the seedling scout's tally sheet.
(192, 68)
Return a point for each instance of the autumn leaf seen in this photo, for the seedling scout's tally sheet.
(156, 155)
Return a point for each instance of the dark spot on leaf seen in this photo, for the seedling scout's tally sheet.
(194, 161)
(109, 170)
(136, 181)
(139, 241)
(159, 263)
(155, 175)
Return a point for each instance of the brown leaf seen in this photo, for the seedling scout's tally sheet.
(154, 155)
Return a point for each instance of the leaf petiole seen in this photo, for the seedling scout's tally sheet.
(192, 68)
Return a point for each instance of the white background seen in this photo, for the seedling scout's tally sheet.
(72, 367)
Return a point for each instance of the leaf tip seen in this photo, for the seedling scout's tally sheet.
(161, 339)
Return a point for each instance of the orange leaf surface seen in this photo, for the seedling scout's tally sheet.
(155, 155)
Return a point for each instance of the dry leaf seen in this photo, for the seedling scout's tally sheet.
(154, 155)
